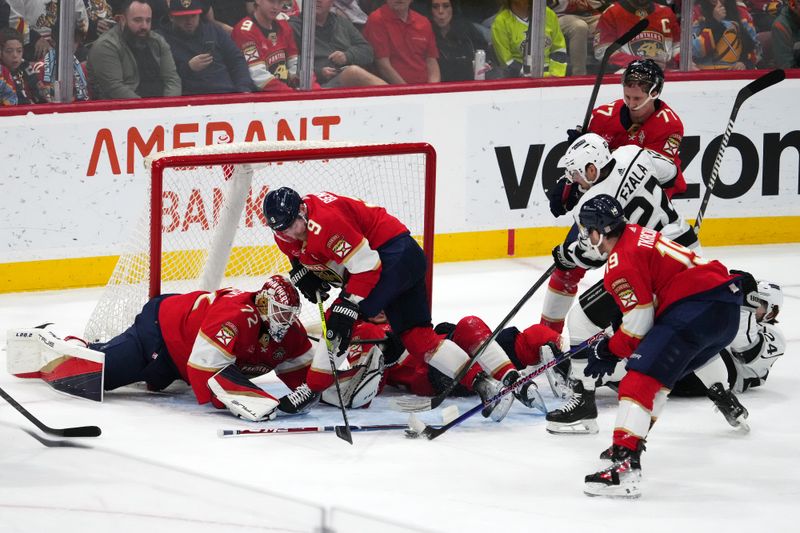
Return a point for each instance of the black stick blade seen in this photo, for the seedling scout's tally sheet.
(759, 84)
(82, 431)
(343, 432)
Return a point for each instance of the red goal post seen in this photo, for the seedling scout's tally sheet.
(203, 226)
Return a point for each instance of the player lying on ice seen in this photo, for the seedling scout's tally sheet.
(332, 239)
(679, 311)
(215, 341)
(746, 363)
(371, 366)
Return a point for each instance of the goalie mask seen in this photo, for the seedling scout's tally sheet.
(770, 298)
(589, 148)
(278, 304)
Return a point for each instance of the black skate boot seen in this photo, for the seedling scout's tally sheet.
(487, 387)
(578, 416)
(527, 393)
(299, 401)
(608, 453)
(620, 480)
(728, 404)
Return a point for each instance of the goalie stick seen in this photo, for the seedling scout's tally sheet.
(759, 84)
(431, 432)
(79, 431)
(612, 48)
(343, 432)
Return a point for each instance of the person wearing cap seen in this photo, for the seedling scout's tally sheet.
(206, 58)
(130, 61)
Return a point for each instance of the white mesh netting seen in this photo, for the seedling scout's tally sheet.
(213, 230)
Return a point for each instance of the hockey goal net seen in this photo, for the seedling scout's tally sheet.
(203, 227)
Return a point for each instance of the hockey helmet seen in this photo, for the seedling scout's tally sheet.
(602, 213)
(281, 208)
(278, 304)
(645, 72)
(589, 148)
(770, 296)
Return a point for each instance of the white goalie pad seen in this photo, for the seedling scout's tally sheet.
(362, 387)
(67, 367)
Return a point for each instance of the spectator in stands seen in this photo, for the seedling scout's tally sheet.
(268, 47)
(723, 36)
(660, 41)
(8, 96)
(786, 36)
(341, 53)
(41, 17)
(130, 61)
(227, 13)
(404, 45)
(457, 40)
(509, 39)
(206, 58)
(764, 12)
(80, 80)
(100, 19)
(578, 21)
(351, 10)
(5, 14)
(23, 76)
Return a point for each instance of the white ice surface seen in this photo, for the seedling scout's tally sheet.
(159, 465)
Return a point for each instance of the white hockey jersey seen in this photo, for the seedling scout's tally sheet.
(754, 350)
(636, 182)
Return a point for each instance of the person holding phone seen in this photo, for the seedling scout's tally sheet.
(207, 60)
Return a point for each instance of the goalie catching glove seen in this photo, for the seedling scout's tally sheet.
(241, 396)
(308, 283)
(344, 314)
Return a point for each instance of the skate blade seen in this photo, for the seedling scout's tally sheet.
(410, 404)
(617, 494)
(538, 403)
(582, 427)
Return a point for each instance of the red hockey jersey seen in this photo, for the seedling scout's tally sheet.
(660, 41)
(271, 54)
(207, 331)
(343, 236)
(662, 133)
(646, 273)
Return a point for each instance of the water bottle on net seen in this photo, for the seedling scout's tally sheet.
(479, 65)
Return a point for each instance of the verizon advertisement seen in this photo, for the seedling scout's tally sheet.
(74, 184)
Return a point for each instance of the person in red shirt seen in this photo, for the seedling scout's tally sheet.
(216, 341)
(660, 41)
(331, 239)
(679, 311)
(268, 47)
(404, 44)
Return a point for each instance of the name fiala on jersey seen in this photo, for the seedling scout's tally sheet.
(634, 178)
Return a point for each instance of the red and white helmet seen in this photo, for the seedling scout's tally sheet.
(278, 303)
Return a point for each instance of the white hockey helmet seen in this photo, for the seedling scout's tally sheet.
(278, 304)
(770, 296)
(588, 148)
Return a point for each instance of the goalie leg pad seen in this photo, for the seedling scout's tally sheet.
(241, 396)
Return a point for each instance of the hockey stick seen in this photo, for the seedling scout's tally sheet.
(355, 341)
(307, 429)
(343, 432)
(759, 84)
(612, 48)
(80, 431)
(431, 432)
(426, 404)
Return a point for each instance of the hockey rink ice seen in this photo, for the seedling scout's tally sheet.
(159, 465)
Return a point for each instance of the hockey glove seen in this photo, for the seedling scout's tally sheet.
(563, 258)
(572, 135)
(749, 289)
(392, 348)
(602, 360)
(563, 196)
(340, 324)
(308, 283)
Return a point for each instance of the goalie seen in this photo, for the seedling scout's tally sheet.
(216, 342)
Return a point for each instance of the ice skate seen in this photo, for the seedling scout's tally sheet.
(728, 404)
(487, 387)
(527, 393)
(299, 401)
(620, 480)
(578, 416)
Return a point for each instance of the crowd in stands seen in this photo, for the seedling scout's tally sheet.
(145, 48)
